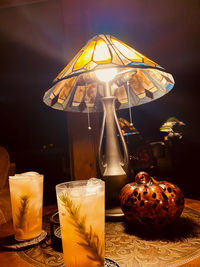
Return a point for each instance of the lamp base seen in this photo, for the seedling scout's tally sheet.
(114, 213)
(113, 185)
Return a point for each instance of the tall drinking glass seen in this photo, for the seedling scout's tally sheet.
(26, 191)
(81, 206)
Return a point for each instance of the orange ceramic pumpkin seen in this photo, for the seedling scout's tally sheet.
(150, 202)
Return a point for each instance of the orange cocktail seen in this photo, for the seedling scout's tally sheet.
(81, 207)
(26, 191)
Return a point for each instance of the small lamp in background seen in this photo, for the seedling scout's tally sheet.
(106, 75)
(174, 128)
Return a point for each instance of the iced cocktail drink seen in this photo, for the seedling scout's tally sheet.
(26, 191)
(81, 206)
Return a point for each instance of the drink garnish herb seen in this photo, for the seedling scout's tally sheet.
(22, 211)
(91, 241)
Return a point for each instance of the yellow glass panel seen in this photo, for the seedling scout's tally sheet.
(142, 95)
(127, 51)
(60, 101)
(90, 105)
(75, 104)
(101, 52)
(153, 90)
(85, 57)
(149, 62)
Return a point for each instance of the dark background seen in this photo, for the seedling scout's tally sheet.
(38, 38)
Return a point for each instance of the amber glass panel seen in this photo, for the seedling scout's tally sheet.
(85, 57)
(67, 88)
(80, 91)
(147, 60)
(101, 52)
(58, 87)
(91, 92)
(121, 94)
(136, 86)
(126, 50)
(141, 81)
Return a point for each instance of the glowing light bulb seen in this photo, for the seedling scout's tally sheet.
(106, 75)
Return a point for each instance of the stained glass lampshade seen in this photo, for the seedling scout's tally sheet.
(138, 79)
(107, 74)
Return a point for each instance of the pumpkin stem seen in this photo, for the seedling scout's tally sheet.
(142, 178)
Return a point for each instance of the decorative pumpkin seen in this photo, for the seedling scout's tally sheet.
(150, 202)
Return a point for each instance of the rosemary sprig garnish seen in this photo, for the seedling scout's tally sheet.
(91, 241)
(22, 211)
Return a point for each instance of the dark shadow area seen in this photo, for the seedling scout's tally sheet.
(9, 242)
(6, 241)
(180, 230)
(34, 135)
(56, 242)
(51, 162)
(176, 161)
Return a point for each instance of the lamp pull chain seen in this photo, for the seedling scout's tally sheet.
(89, 126)
(88, 115)
(129, 106)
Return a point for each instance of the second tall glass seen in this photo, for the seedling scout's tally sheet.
(26, 192)
(81, 206)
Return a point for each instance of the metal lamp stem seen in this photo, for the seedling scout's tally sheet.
(113, 165)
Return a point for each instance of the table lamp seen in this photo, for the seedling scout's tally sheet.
(106, 75)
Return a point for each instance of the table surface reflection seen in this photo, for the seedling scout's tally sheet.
(128, 247)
